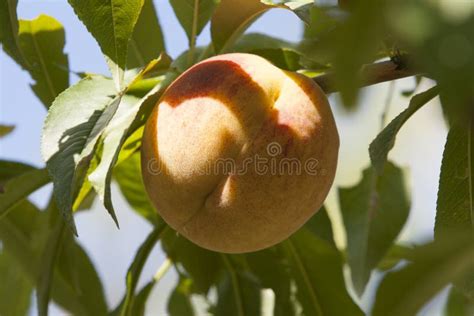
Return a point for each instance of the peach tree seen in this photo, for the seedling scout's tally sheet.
(92, 136)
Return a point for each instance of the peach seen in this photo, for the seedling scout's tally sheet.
(238, 154)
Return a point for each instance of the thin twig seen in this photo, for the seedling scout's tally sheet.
(370, 74)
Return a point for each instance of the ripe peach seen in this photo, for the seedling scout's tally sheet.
(238, 154)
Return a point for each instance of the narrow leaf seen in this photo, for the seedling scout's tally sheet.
(15, 288)
(20, 187)
(455, 204)
(231, 18)
(141, 50)
(128, 177)
(74, 123)
(374, 212)
(385, 141)
(238, 292)
(271, 268)
(42, 42)
(135, 269)
(458, 304)
(6, 129)
(20, 234)
(317, 269)
(203, 266)
(111, 23)
(193, 15)
(435, 265)
(47, 264)
(179, 303)
(125, 120)
(11, 169)
(9, 30)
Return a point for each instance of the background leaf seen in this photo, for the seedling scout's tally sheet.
(231, 18)
(20, 187)
(434, 265)
(271, 268)
(385, 140)
(141, 50)
(128, 177)
(134, 272)
(15, 288)
(458, 304)
(6, 129)
(317, 269)
(111, 23)
(193, 15)
(455, 205)
(374, 212)
(42, 42)
(238, 292)
(9, 30)
(48, 260)
(76, 285)
(179, 303)
(185, 254)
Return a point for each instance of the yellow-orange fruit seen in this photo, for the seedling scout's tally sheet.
(238, 154)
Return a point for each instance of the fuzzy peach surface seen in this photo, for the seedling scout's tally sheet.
(221, 152)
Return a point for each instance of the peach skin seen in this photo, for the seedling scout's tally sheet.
(238, 154)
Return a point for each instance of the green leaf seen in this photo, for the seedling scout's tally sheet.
(394, 256)
(15, 288)
(201, 265)
(48, 262)
(458, 304)
(455, 204)
(354, 43)
(320, 225)
(9, 30)
(231, 18)
(142, 49)
(127, 118)
(11, 169)
(22, 233)
(385, 141)
(421, 29)
(111, 23)
(77, 286)
(271, 269)
(281, 53)
(5, 130)
(317, 269)
(374, 212)
(20, 187)
(42, 42)
(193, 15)
(238, 292)
(179, 303)
(141, 298)
(435, 265)
(74, 123)
(129, 178)
(135, 269)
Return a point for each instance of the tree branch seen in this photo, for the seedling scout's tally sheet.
(371, 74)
